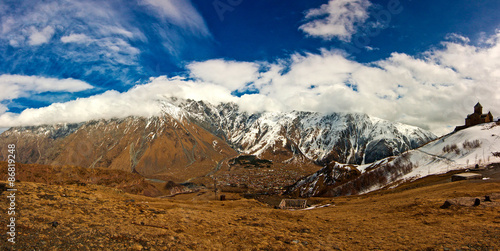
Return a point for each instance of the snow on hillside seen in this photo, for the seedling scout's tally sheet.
(463, 149)
(460, 150)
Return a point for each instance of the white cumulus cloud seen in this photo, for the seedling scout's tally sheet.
(15, 86)
(336, 19)
(230, 74)
(42, 36)
(76, 38)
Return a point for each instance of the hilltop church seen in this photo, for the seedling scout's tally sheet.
(476, 118)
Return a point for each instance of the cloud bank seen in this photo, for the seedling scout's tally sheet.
(434, 90)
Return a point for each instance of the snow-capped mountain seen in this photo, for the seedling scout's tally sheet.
(193, 138)
(343, 137)
(459, 150)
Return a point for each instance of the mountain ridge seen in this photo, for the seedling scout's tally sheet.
(195, 138)
(313, 133)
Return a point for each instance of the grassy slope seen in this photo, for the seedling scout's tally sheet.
(98, 218)
(67, 175)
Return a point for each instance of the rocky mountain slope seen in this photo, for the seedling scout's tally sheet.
(343, 137)
(194, 138)
(157, 147)
(459, 150)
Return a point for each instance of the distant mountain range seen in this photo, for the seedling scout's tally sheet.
(194, 138)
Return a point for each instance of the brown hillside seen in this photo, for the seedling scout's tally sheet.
(155, 147)
(160, 147)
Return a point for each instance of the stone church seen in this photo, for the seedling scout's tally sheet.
(476, 118)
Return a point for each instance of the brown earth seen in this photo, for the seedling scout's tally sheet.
(94, 217)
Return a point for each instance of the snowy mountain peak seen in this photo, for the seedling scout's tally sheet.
(345, 137)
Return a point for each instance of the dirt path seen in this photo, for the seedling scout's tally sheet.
(448, 160)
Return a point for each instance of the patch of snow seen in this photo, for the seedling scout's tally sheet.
(315, 207)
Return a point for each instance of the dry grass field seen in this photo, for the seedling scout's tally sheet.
(94, 217)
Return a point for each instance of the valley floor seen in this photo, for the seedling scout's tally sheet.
(91, 217)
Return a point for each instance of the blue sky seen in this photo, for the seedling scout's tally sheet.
(408, 61)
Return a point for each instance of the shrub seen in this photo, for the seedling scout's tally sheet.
(471, 144)
(450, 148)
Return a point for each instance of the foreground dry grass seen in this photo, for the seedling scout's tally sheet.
(99, 218)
